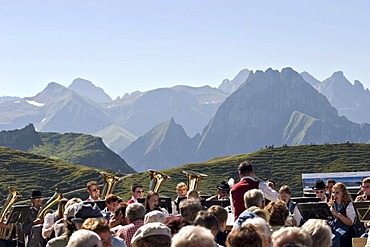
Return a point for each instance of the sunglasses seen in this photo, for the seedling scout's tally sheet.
(319, 192)
(139, 191)
(95, 190)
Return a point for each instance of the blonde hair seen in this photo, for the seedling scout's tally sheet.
(320, 232)
(346, 196)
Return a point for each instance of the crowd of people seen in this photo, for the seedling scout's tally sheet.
(260, 214)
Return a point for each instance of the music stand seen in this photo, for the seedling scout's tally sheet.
(315, 210)
(222, 203)
(101, 204)
(18, 213)
(165, 202)
(141, 200)
(305, 199)
(362, 210)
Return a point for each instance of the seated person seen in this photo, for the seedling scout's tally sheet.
(295, 217)
(152, 201)
(94, 191)
(111, 202)
(181, 190)
(137, 191)
(221, 215)
(278, 214)
(319, 189)
(223, 190)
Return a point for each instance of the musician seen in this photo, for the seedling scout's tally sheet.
(32, 226)
(151, 203)
(223, 190)
(295, 217)
(181, 190)
(248, 182)
(365, 187)
(94, 191)
(111, 202)
(342, 209)
(137, 191)
(329, 187)
(319, 189)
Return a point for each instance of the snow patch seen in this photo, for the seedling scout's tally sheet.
(32, 102)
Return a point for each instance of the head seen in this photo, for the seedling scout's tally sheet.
(111, 201)
(99, 226)
(193, 195)
(365, 186)
(176, 223)
(93, 190)
(154, 216)
(181, 189)
(36, 199)
(85, 210)
(340, 194)
(152, 200)
(271, 183)
(69, 214)
(320, 232)
(254, 197)
(291, 236)
(284, 193)
(329, 185)
(189, 209)
(84, 238)
(120, 213)
(278, 213)
(245, 169)
(137, 191)
(193, 236)
(207, 220)
(135, 211)
(223, 190)
(245, 236)
(152, 235)
(221, 215)
(319, 189)
(263, 229)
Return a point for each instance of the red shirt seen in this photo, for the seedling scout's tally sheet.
(127, 232)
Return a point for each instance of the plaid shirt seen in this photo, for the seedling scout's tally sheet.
(128, 231)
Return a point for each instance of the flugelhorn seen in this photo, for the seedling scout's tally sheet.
(13, 195)
(156, 179)
(193, 179)
(50, 203)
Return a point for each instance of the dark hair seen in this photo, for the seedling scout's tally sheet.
(189, 209)
(285, 189)
(245, 167)
(279, 212)
(134, 186)
(176, 223)
(121, 208)
(111, 198)
(207, 220)
(148, 196)
(219, 212)
(330, 181)
(245, 236)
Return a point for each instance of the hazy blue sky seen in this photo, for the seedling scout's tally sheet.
(123, 46)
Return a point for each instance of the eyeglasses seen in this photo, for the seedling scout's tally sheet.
(335, 192)
(95, 190)
(139, 191)
(319, 192)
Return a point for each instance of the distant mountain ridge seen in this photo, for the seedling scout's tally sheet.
(71, 147)
(88, 89)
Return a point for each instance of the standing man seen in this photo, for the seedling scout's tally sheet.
(94, 191)
(32, 226)
(137, 192)
(246, 183)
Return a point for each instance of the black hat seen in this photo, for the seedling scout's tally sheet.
(85, 210)
(223, 186)
(319, 185)
(35, 194)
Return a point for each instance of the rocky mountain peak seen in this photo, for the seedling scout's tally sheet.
(88, 89)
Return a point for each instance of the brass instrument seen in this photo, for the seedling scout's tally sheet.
(193, 179)
(13, 195)
(110, 181)
(51, 202)
(156, 179)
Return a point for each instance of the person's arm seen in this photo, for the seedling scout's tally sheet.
(269, 193)
(48, 225)
(347, 220)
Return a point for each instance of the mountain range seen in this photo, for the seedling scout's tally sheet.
(167, 127)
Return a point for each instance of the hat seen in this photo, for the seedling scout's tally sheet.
(223, 186)
(85, 210)
(69, 212)
(154, 216)
(151, 229)
(35, 194)
(319, 185)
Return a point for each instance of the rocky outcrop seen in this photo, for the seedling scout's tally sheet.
(22, 139)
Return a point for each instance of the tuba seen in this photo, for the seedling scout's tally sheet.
(156, 179)
(193, 179)
(13, 195)
(51, 202)
(110, 181)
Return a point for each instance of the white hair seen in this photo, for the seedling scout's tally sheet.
(193, 236)
(261, 226)
(84, 238)
(320, 232)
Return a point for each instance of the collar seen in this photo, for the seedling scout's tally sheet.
(134, 199)
(248, 177)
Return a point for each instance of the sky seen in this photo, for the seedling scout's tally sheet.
(124, 46)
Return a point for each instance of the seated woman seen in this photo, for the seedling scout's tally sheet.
(342, 209)
(279, 213)
(151, 203)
